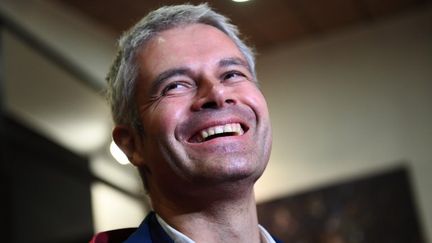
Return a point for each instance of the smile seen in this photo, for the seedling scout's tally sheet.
(231, 129)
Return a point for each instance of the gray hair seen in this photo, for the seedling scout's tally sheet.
(124, 70)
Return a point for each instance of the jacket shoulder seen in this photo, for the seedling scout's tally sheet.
(113, 236)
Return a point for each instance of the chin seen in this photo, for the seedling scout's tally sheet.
(232, 172)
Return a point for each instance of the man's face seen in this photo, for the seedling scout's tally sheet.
(204, 119)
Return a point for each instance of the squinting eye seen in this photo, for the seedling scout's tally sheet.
(175, 88)
(234, 75)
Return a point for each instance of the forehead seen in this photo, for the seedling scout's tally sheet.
(187, 45)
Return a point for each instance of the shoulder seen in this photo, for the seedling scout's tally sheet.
(129, 235)
(149, 231)
(118, 235)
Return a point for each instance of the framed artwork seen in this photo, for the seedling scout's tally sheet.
(378, 208)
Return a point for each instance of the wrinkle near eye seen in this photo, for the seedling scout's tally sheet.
(152, 103)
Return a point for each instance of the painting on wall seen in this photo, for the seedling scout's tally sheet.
(379, 208)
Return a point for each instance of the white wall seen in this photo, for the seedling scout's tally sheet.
(351, 103)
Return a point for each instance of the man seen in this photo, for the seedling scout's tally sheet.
(190, 116)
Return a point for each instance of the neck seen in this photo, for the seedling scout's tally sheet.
(212, 217)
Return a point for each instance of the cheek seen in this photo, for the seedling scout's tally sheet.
(255, 98)
(163, 118)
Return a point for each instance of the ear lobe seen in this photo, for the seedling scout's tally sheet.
(129, 143)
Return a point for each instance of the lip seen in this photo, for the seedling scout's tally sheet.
(197, 121)
(196, 132)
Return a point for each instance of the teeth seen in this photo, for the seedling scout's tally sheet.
(211, 132)
(219, 129)
(227, 128)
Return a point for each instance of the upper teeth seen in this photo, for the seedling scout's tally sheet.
(232, 127)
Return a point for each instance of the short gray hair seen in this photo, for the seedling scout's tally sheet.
(124, 70)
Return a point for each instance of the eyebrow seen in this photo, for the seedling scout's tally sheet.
(233, 61)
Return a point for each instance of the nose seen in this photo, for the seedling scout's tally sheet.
(213, 96)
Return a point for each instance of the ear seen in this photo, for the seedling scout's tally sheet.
(130, 143)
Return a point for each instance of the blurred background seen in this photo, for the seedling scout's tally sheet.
(348, 83)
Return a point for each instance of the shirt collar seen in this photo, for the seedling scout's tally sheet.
(179, 237)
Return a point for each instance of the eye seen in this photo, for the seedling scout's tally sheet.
(234, 76)
(176, 88)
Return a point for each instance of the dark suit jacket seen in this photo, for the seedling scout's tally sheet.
(150, 231)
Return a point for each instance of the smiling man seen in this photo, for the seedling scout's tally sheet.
(190, 116)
